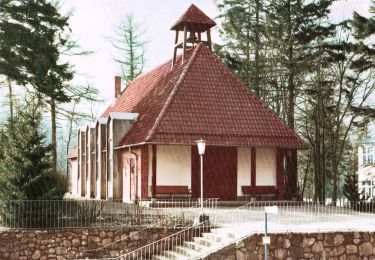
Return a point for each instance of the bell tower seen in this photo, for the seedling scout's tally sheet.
(195, 27)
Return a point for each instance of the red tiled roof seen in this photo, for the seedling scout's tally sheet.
(195, 19)
(200, 98)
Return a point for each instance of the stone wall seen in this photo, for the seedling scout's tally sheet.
(74, 243)
(330, 246)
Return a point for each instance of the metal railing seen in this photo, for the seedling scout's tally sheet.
(177, 239)
(210, 205)
(247, 220)
(29, 214)
(298, 217)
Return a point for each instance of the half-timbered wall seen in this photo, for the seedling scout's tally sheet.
(173, 165)
(243, 168)
(266, 167)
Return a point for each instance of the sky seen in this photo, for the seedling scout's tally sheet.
(94, 21)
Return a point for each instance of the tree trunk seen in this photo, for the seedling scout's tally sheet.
(11, 106)
(335, 184)
(53, 134)
(257, 46)
(291, 181)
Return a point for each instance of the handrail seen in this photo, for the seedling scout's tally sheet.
(315, 207)
(146, 228)
(165, 242)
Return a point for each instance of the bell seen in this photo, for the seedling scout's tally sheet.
(191, 38)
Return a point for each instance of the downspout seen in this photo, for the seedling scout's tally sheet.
(136, 175)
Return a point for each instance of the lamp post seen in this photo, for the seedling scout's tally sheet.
(266, 239)
(201, 148)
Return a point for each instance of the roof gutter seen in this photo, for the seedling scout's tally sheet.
(129, 145)
(226, 145)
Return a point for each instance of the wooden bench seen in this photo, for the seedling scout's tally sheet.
(172, 190)
(259, 189)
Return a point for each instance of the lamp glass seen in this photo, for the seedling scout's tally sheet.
(201, 146)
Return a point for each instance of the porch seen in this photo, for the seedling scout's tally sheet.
(229, 173)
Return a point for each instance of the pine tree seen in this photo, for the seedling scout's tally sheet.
(30, 35)
(243, 35)
(25, 169)
(351, 191)
(364, 27)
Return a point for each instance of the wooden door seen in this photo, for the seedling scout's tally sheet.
(219, 172)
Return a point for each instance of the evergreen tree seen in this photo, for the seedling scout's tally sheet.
(25, 169)
(364, 27)
(271, 44)
(243, 35)
(130, 47)
(351, 191)
(30, 34)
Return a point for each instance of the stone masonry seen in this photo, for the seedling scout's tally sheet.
(330, 246)
(74, 243)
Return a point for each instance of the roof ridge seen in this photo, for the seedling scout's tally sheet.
(173, 92)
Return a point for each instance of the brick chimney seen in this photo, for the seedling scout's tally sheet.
(117, 86)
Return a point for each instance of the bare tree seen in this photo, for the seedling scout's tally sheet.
(130, 45)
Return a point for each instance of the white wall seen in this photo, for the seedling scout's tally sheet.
(173, 165)
(265, 166)
(74, 177)
(360, 158)
(243, 168)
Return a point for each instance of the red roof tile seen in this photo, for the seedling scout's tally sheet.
(200, 98)
(195, 20)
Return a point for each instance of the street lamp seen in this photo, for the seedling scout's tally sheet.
(266, 239)
(201, 148)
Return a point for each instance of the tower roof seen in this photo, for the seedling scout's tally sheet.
(200, 98)
(195, 20)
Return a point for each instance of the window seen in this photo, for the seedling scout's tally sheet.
(368, 155)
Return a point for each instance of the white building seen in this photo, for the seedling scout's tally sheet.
(366, 168)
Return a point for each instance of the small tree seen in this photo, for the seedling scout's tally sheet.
(351, 191)
(130, 45)
(26, 169)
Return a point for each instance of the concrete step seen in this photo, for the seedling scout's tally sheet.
(175, 255)
(217, 237)
(186, 250)
(160, 257)
(196, 246)
(224, 232)
(205, 241)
